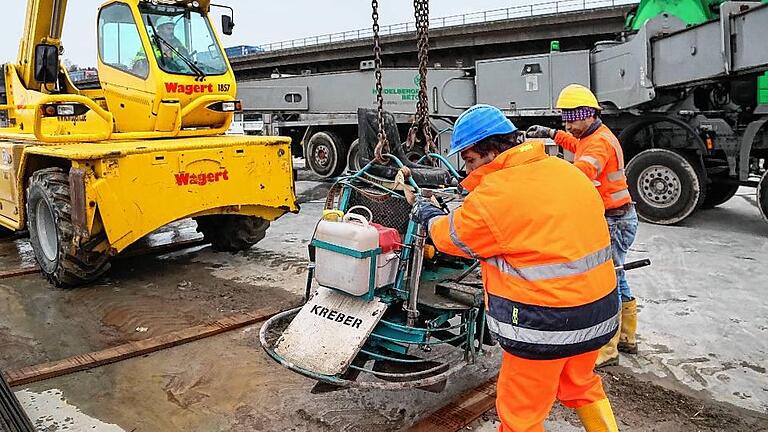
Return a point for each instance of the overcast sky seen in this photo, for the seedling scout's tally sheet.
(256, 21)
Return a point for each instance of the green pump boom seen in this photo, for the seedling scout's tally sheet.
(690, 12)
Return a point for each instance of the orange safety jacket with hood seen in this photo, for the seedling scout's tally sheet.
(599, 155)
(537, 226)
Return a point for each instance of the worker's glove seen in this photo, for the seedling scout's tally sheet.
(425, 212)
(537, 131)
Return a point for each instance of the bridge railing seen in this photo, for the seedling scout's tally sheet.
(551, 7)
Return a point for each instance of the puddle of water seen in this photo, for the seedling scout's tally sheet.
(50, 412)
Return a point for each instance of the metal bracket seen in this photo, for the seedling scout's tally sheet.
(727, 35)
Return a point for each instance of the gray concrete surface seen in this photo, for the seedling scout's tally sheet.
(704, 310)
(703, 327)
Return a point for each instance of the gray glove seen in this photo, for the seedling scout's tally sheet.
(425, 212)
(537, 131)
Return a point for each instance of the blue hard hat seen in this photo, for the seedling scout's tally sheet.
(477, 123)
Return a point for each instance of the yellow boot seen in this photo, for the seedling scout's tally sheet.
(628, 340)
(598, 417)
(609, 354)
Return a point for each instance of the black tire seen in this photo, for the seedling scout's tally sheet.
(355, 157)
(232, 233)
(719, 193)
(5, 232)
(698, 166)
(326, 154)
(762, 196)
(665, 185)
(51, 232)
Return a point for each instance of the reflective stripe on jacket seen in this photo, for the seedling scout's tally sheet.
(600, 157)
(538, 227)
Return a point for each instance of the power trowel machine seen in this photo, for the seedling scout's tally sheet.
(384, 309)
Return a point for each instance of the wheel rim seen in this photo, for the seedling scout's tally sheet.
(321, 155)
(45, 227)
(659, 186)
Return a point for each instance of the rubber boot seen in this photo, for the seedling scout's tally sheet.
(598, 417)
(628, 339)
(609, 354)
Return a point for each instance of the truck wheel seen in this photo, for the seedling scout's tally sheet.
(326, 154)
(232, 233)
(718, 193)
(354, 158)
(762, 196)
(51, 232)
(666, 185)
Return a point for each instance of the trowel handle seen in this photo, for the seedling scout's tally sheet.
(635, 264)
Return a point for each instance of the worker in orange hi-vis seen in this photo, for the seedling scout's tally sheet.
(598, 154)
(536, 224)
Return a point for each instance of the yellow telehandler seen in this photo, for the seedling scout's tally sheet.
(90, 171)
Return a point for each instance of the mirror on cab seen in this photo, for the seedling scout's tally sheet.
(46, 63)
(227, 24)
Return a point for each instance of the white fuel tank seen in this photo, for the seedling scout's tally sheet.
(344, 272)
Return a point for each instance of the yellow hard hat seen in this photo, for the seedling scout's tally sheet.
(576, 95)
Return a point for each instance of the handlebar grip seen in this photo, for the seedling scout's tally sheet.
(637, 264)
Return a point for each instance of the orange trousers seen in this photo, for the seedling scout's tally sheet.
(526, 389)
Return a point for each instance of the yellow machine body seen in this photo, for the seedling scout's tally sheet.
(131, 188)
(147, 147)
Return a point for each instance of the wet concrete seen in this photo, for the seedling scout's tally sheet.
(228, 383)
(39, 323)
(702, 333)
(645, 405)
(703, 310)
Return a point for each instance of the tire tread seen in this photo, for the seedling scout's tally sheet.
(232, 233)
(74, 265)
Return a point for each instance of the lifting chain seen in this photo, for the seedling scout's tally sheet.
(421, 122)
(382, 146)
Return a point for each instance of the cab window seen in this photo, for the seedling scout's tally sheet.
(182, 40)
(119, 42)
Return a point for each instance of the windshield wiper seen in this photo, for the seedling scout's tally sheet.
(199, 74)
(196, 69)
(154, 34)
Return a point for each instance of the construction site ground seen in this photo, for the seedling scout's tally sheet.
(703, 328)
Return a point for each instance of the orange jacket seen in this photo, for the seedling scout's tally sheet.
(600, 157)
(538, 227)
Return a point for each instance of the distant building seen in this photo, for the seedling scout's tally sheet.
(242, 50)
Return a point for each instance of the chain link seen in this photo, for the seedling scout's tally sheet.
(421, 124)
(382, 146)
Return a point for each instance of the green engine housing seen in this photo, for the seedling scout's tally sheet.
(691, 12)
